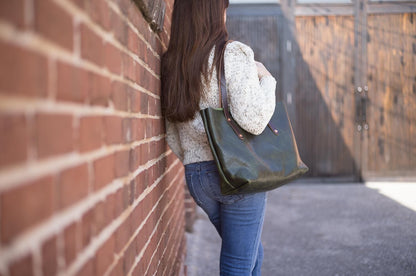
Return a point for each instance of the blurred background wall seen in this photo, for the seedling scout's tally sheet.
(347, 73)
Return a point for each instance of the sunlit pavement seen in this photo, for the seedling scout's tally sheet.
(324, 229)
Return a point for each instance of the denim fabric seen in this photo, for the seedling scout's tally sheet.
(238, 219)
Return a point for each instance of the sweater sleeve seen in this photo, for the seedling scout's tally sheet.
(252, 101)
(173, 139)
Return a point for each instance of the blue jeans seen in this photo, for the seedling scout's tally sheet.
(238, 219)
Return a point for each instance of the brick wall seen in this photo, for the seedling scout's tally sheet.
(88, 185)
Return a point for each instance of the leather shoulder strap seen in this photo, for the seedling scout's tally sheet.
(224, 99)
(223, 95)
(221, 73)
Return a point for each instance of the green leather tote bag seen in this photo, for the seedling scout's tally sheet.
(250, 163)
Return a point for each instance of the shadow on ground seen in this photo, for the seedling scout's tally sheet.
(321, 229)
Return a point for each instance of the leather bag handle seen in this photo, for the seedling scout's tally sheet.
(223, 94)
(224, 99)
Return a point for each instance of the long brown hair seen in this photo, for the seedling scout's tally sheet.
(197, 25)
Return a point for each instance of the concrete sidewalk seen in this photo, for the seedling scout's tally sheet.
(323, 229)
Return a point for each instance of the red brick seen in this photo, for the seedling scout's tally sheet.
(80, 3)
(143, 26)
(99, 89)
(157, 66)
(140, 129)
(132, 44)
(113, 129)
(152, 150)
(125, 5)
(158, 126)
(140, 268)
(13, 11)
(22, 267)
(99, 11)
(73, 185)
(54, 134)
(134, 15)
(49, 257)
(119, 28)
(156, 87)
(129, 67)
(144, 103)
(22, 72)
(119, 95)
(140, 74)
(72, 83)
(126, 127)
(118, 269)
(88, 268)
(54, 23)
(149, 128)
(140, 183)
(158, 108)
(152, 106)
(24, 206)
(103, 171)
(122, 163)
(14, 145)
(104, 213)
(126, 196)
(147, 258)
(134, 156)
(118, 207)
(112, 58)
(142, 50)
(144, 153)
(154, 258)
(71, 244)
(90, 133)
(145, 179)
(129, 256)
(88, 228)
(135, 101)
(104, 256)
(146, 80)
(137, 217)
(134, 128)
(132, 188)
(122, 236)
(91, 45)
(161, 147)
(155, 43)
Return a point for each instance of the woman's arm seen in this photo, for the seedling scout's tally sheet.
(252, 101)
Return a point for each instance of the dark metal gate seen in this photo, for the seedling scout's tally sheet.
(347, 72)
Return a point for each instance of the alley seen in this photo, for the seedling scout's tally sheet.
(321, 229)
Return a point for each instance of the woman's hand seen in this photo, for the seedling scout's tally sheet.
(261, 70)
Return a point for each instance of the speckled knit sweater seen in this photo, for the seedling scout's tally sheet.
(251, 101)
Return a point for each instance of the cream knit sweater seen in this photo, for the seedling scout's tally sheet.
(251, 101)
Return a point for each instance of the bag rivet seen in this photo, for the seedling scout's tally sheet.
(276, 131)
(240, 135)
(228, 119)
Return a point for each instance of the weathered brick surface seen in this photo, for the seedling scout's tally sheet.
(49, 256)
(86, 176)
(22, 266)
(23, 71)
(73, 185)
(26, 205)
(90, 133)
(13, 12)
(14, 145)
(54, 23)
